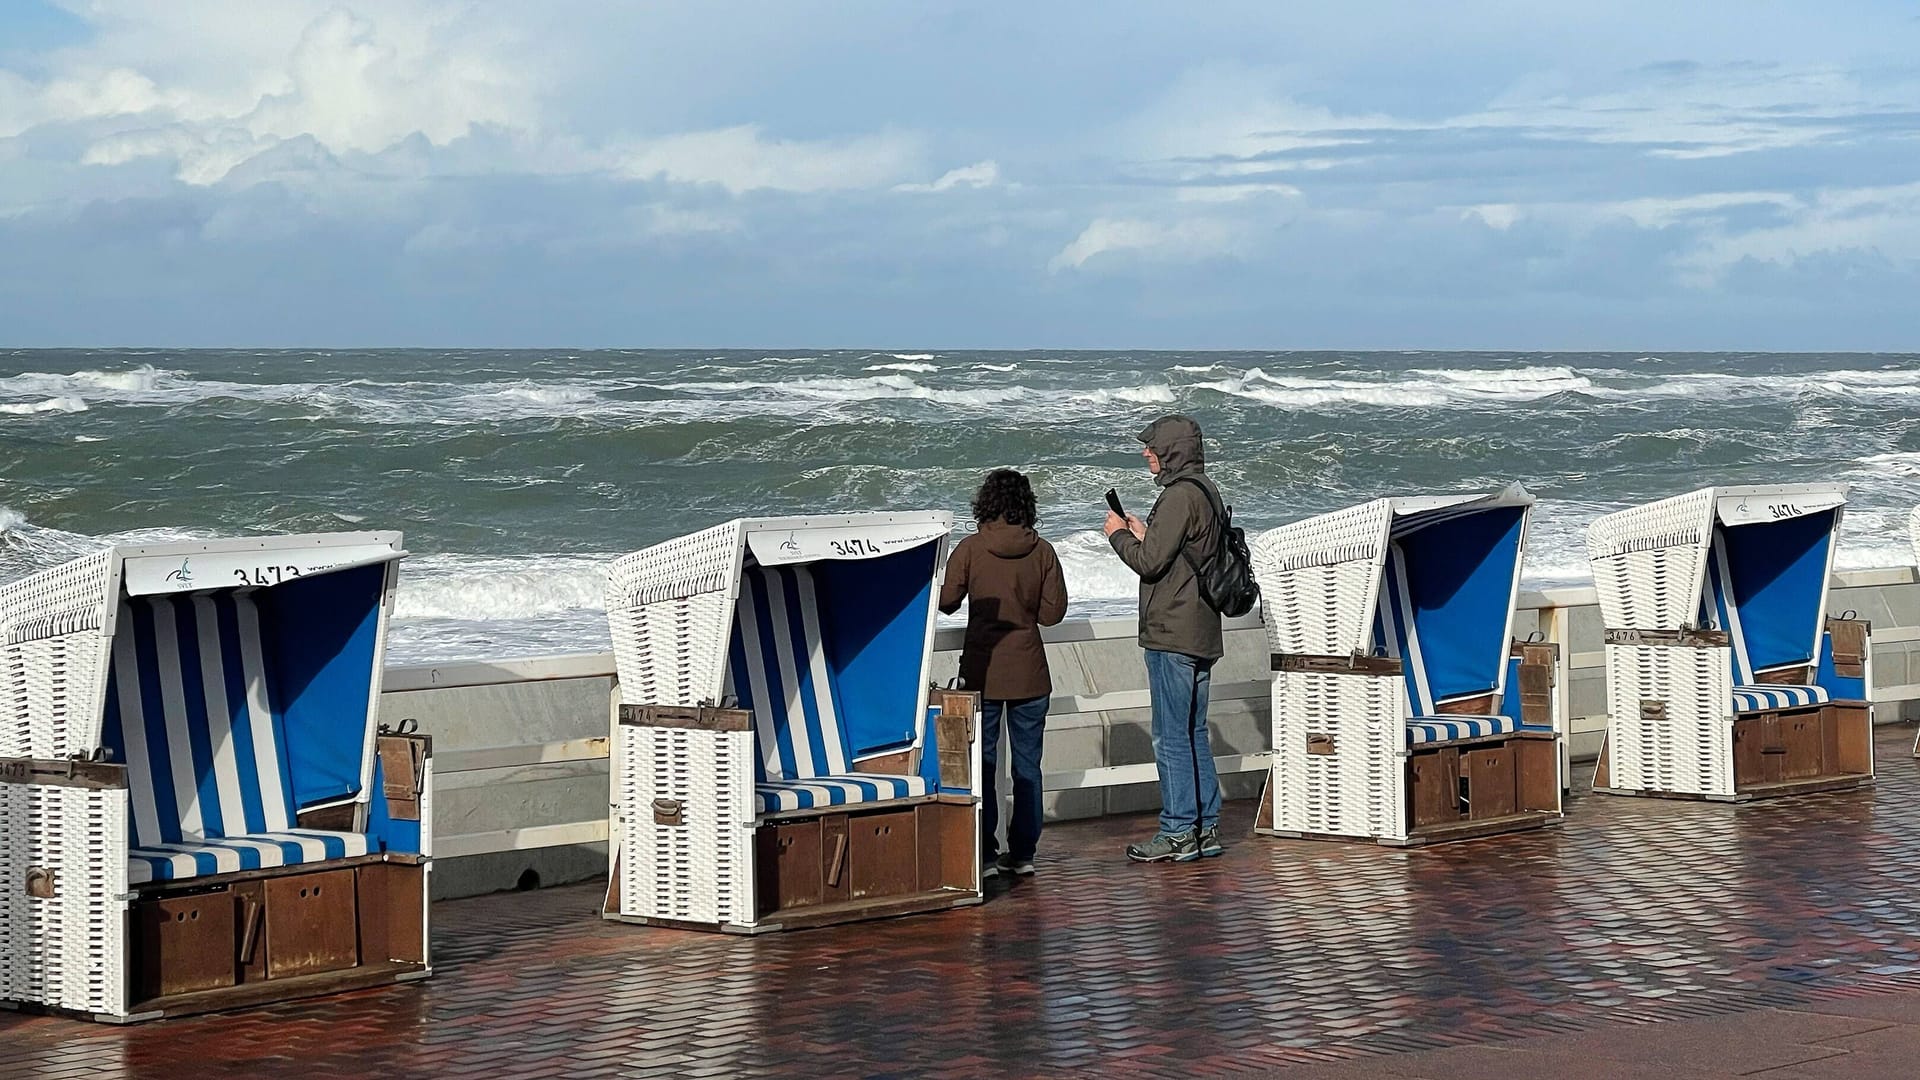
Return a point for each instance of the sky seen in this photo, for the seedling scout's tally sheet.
(1719, 174)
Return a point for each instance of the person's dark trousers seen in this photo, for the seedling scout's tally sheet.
(1026, 727)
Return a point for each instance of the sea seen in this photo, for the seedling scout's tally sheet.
(517, 474)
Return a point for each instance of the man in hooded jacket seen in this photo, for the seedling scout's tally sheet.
(1180, 634)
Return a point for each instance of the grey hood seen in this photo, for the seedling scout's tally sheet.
(1176, 441)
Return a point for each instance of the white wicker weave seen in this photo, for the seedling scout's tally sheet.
(1360, 788)
(1649, 569)
(670, 610)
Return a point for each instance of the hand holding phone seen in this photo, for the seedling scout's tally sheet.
(1113, 504)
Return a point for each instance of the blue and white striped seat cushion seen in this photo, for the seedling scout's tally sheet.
(190, 711)
(1766, 697)
(775, 796)
(200, 858)
(1432, 729)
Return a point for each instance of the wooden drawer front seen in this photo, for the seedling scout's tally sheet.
(312, 924)
(1436, 786)
(1489, 773)
(1759, 750)
(884, 858)
(792, 867)
(1801, 734)
(183, 944)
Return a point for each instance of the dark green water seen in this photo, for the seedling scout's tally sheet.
(515, 474)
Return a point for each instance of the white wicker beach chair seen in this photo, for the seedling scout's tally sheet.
(1403, 710)
(196, 809)
(1725, 677)
(779, 757)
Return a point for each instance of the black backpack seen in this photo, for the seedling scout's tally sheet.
(1226, 581)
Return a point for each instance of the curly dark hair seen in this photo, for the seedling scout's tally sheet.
(1005, 495)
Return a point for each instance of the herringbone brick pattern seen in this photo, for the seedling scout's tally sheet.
(1279, 953)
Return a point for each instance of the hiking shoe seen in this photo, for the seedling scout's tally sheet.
(1209, 842)
(1010, 865)
(1165, 847)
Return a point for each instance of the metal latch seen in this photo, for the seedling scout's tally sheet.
(669, 812)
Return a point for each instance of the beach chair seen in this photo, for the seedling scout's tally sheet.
(780, 760)
(1725, 677)
(1404, 711)
(196, 809)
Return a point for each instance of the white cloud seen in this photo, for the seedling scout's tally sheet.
(1883, 222)
(1177, 240)
(741, 159)
(977, 175)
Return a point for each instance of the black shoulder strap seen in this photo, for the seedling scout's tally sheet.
(1219, 515)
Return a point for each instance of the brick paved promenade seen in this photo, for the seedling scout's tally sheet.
(1641, 939)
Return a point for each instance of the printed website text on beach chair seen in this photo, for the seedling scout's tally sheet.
(1726, 679)
(1404, 711)
(779, 758)
(196, 809)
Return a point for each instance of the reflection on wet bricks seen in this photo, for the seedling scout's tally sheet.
(1336, 958)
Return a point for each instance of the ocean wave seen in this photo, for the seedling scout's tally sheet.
(1150, 394)
(65, 404)
(1416, 388)
(496, 587)
(539, 394)
(912, 355)
(919, 368)
(997, 367)
(141, 380)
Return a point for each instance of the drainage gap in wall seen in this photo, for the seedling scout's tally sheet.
(528, 881)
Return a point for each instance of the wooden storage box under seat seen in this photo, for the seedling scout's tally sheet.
(1482, 782)
(214, 937)
(184, 944)
(1832, 741)
(881, 854)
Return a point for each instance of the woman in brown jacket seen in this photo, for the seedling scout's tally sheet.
(1011, 580)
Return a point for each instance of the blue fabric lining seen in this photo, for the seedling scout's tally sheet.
(1777, 571)
(320, 634)
(1455, 578)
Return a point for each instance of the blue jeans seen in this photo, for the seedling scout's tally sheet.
(1182, 750)
(1026, 725)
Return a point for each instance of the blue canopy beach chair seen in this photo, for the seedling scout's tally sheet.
(1726, 679)
(1403, 710)
(192, 786)
(780, 759)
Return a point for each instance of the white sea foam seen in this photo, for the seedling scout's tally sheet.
(1152, 394)
(997, 367)
(143, 379)
(911, 355)
(923, 369)
(493, 587)
(63, 404)
(1417, 388)
(544, 395)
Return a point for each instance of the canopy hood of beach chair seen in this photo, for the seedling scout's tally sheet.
(292, 624)
(1752, 560)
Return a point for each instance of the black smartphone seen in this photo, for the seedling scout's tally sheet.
(1113, 503)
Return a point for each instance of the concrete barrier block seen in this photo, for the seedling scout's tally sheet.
(1113, 664)
(1072, 805)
